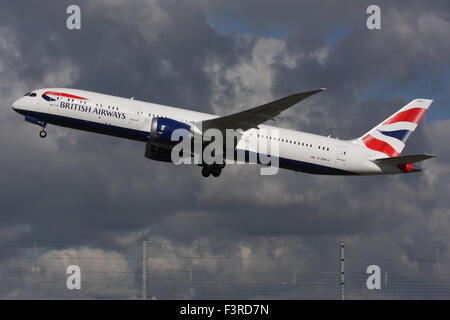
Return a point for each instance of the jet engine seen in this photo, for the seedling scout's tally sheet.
(162, 129)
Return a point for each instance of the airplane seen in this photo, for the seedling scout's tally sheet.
(376, 152)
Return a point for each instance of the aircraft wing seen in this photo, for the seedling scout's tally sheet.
(251, 118)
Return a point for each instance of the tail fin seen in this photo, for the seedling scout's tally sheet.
(389, 137)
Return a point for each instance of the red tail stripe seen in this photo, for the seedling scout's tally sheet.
(412, 115)
(64, 95)
(378, 145)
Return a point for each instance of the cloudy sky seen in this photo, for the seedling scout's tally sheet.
(81, 194)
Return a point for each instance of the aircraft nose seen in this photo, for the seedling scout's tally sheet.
(14, 105)
(17, 104)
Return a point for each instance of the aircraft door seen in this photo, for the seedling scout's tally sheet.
(135, 115)
(54, 101)
(342, 153)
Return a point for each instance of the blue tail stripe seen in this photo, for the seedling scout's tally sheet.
(401, 135)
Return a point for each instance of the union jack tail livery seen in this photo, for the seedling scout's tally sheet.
(389, 137)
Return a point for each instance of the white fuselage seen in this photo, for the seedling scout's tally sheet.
(129, 118)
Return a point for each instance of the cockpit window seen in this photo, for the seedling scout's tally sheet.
(32, 94)
(27, 94)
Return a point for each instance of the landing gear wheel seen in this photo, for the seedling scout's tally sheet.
(215, 170)
(42, 133)
(206, 171)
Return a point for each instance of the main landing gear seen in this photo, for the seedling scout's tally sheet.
(214, 169)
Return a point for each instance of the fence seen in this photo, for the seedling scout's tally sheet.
(40, 273)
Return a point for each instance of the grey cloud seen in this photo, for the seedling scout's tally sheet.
(78, 189)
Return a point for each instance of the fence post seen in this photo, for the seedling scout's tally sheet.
(35, 267)
(437, 260)
(144, 270)
(342, 282)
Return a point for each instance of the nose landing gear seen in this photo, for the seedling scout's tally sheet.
(38, 122)
(43, 133)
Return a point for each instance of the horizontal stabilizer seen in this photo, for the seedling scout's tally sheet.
(404, 159)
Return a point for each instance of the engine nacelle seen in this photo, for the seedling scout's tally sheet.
(157, 153)
(161, 131)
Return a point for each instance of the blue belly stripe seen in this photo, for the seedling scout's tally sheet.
(139, 135)
(90, 126)
(296, 165)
